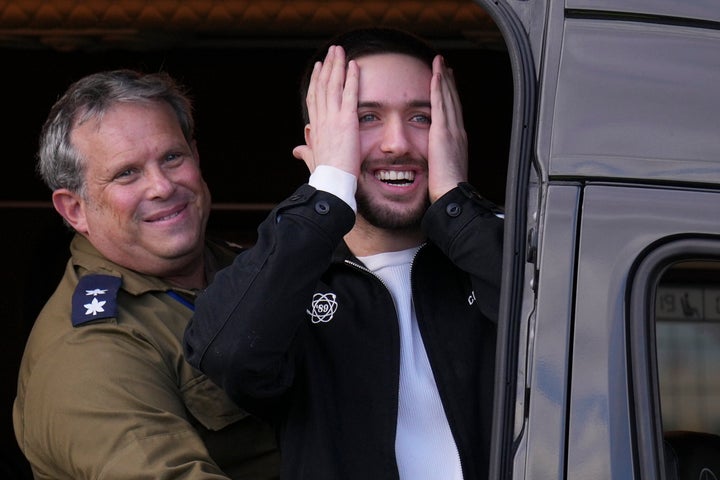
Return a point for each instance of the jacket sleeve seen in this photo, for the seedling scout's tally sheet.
(468, 230)
(245, 322)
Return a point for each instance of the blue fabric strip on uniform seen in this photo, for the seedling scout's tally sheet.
(181, 299)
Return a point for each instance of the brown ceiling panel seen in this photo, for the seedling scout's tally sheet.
(97, 24)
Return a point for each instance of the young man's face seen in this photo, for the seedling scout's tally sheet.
(146, 203)
(394, 114)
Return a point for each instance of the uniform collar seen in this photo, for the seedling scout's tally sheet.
(86, 257)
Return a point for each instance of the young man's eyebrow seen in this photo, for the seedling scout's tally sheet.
(369, 104)
(411, 104)
(419, 104)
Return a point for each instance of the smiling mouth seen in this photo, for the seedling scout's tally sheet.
(166, 217)
(396, 178)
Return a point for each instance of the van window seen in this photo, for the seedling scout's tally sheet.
(687, 329)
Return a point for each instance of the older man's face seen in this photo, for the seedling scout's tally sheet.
(146, 204)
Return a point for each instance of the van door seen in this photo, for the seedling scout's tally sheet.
(623, 160)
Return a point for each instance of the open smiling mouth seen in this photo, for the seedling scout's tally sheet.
(396, 178)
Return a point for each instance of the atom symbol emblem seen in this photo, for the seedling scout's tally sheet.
(324, 307)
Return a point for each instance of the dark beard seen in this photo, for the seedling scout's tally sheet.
(388, 218)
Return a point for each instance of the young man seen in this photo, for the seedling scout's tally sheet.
(366, 331)
(104, 390)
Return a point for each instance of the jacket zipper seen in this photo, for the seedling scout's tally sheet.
(430, 356)
(413, 289)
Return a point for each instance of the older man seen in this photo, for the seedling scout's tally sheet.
(104, 390)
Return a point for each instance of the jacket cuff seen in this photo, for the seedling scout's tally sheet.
(453, 212)
(323, 209)
(338, 182)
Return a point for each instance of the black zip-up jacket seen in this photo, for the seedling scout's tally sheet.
(298, 331)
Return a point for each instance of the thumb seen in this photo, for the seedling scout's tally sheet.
(304, 153)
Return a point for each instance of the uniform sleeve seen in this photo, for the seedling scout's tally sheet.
(245, 323)
(468, 229)
(103, 405)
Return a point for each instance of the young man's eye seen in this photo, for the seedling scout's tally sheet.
(367, 117)
(421, 118)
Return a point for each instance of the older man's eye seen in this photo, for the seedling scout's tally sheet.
(126, 173)
(175, 158)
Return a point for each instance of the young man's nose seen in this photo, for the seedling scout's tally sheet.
(395, 137)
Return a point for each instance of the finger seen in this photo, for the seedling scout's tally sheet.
(329, 86)
(321, 86)
(304, 153)
(336, 79)
(297, 151)
(437, 96)
(454, 96)
(311, 98)
(447, 95)
(350, 92)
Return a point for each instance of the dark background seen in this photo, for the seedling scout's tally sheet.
(248, 121)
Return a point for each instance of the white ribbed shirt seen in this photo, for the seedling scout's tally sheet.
(424, 446)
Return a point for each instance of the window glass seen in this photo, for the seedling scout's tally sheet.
(687, 311)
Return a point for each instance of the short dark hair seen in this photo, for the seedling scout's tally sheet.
(362, 42)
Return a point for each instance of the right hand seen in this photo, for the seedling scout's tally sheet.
(332, 137)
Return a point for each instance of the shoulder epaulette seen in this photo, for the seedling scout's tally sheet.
(95, 298)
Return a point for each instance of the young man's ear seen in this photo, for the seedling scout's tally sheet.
(304, 152)
(71, 206)
(306, 131)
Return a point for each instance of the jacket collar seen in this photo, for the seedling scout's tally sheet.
(342, 253)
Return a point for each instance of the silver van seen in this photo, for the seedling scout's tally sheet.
(609, 348)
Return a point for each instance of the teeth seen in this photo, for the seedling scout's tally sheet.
(394, 175)
(168, 217)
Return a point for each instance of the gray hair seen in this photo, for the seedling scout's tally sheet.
(59, 163)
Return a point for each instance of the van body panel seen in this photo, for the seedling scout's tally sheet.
(549, 338)
(706, 10)
(625, 157)
(634, 101)
(619, 223)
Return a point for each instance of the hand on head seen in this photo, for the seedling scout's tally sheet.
(332, 136)
(447, 143)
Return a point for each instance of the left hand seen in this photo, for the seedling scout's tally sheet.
(447, 148)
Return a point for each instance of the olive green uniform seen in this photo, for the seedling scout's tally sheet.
(113, 397)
